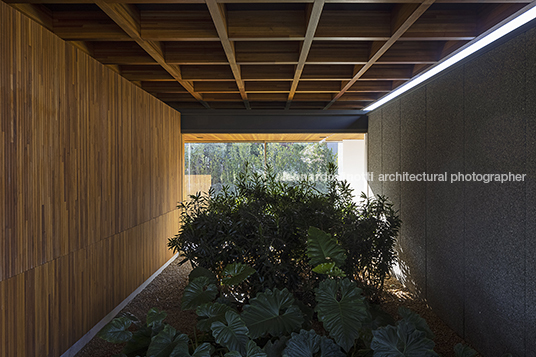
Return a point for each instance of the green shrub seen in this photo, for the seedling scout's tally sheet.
(264, 223)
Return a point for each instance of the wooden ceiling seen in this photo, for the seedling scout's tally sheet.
(240, 54)
(288, 137)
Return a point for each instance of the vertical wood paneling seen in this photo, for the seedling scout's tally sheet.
(90, 178)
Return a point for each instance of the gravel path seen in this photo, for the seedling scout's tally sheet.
(165, 293)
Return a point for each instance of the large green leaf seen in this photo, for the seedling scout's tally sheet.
(181, 349)
(328, 348)
(200, 271)
(163, 343)
(209, 313)
(323, 248)
(116, 331)
(155, 317)
(252, 350)
(140, 341)
(342, 310)
(329, 269)
(235, 273)
(233, 335)
(419, 323)
(275, 349)
(198, 292)
(462, 350)
(304, 344)
(272, 312)
(401, 341)
(181, 346)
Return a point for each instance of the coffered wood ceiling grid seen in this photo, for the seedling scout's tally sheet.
(240, 54)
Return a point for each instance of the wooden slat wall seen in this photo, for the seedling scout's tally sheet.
(90, 175)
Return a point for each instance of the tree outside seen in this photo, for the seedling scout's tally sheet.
(290, 161)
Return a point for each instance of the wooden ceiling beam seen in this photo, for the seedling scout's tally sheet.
(217, 12)
(38, 13)
(401, 22)
(264, 1)
(84, 46)
(128, 18)
(312, 24)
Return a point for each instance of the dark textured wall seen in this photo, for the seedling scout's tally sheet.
(469, 248)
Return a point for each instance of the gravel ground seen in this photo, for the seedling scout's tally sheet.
(165, 293)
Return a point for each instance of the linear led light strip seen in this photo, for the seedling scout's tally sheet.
(528, 13)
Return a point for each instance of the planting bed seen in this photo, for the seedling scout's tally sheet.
(165, 293)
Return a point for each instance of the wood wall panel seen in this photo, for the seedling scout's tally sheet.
(90, 172)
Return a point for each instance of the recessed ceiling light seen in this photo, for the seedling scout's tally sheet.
(519, 19)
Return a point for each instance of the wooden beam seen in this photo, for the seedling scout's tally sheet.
(312, 24)
(128, 18)
(217, 12)
(398, 32)
(38, 13)
(84, 46)
(264, 1)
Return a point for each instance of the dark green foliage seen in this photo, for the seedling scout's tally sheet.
(272, 312)
(322, 248)
(117, 330)
(236, 273)
(232, 333)
(404, 340)
(198, 292)
(370, 243)
(309, 344)
(342, 310)
(209, 313)
(264, 223)
(464, 351)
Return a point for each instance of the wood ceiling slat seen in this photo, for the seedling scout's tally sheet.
(371, 86)
(267, 72)
(444, 24)
(127, 17)
(339, 52)
(338, 49)
(350, 24)
(329, 72)
(222, 97)
(207, 73)
(215, 87)
(268, 97)
(37, 12)
(267, 52)
(319, 86)
(178, 26)
(387, 72)
(405, 22)
(264, 1)
(291, 137)
(217, 12)
(412, 52)
(268, 86)
(314, 18)
(87, 25)
(145, 73)
(194, 53)
(162, 87)
(265, 24)
(121, 53)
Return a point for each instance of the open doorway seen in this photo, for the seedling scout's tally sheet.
(215, 160)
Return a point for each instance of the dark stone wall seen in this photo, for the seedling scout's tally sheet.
(469, 248)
